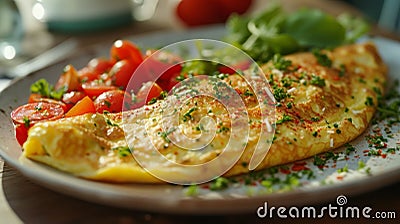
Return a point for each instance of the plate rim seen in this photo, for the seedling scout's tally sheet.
(190, 206)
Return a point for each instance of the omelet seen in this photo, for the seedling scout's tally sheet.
(321, 100)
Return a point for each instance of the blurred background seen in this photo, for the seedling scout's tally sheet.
(35, 33)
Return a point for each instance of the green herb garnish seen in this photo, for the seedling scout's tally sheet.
(123, 151)
(218, 184)
(369, 101)
(322, 58)
(279, 93)
(284, 119)
(281, 63)
(316, 80)
(188, 115)
(27, 122)
(44, 88)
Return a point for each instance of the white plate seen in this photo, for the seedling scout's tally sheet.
(238, 197)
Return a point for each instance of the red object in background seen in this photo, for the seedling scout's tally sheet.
(234, 6)
(203, 12)
(199, 12)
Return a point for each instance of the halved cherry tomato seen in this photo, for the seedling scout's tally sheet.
(163, 67)
(35, 97)
(111, 101)
(95, 88)
(122, 72)
(83, 106)
(69, 79)
(86, 75)
(124, 49)
(100, 65)
(243, 65)
(71, 98)
(170, 79)
(21, 133)
(149, 91)
(32, 113)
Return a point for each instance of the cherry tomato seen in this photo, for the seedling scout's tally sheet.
(121, 73)
(149, 91)
(124, 49)
(169, 79)
(32, 113)
(111, 101)
(86, 75)
(69, 79)
(21, 133)
(199, 12)
(164, 67)
(83, 106)
(96, 87)
(71, 98)
(243, 65)
(100, 65)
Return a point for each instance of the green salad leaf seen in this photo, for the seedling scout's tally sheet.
(313, 28)
(273, 31)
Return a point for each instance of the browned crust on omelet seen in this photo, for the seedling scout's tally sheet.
(322, 117)
(344, 98)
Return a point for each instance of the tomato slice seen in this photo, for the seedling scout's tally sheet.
(95, 88)
(32, 113)
(83, 106)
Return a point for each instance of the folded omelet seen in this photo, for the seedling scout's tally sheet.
(322, 100)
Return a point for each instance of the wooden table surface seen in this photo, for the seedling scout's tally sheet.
(22, 201)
